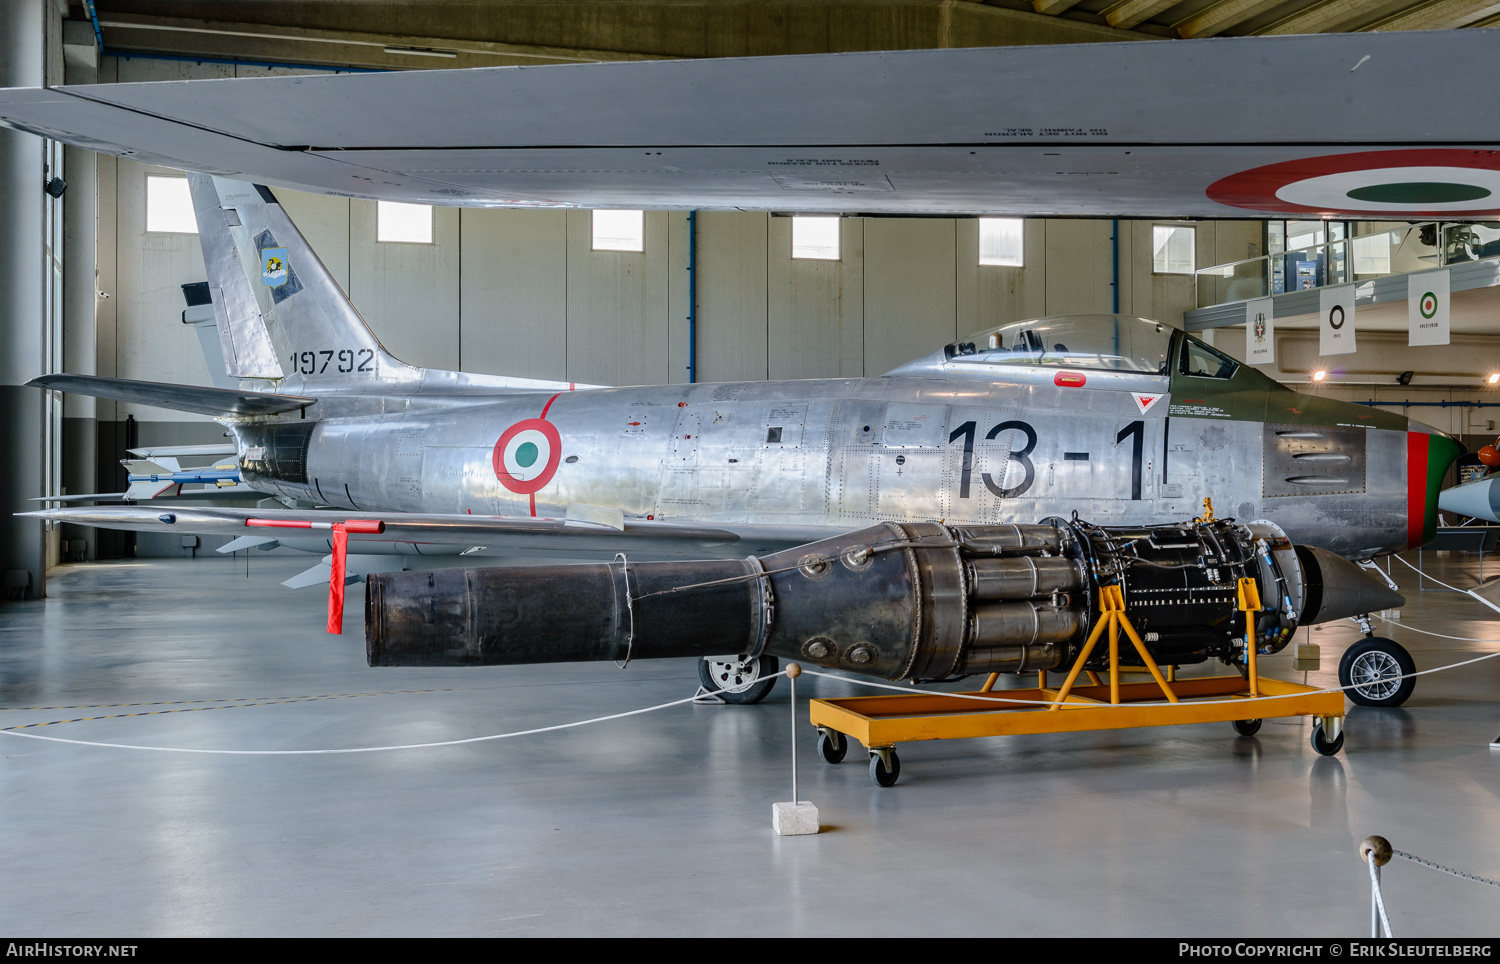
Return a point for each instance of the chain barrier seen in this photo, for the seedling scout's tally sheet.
(1447, 870)
(1377, 852)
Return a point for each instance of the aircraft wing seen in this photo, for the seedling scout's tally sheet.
(1206, 128)
(178, 398)
(511, 532)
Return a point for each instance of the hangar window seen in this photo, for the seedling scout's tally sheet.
(1171, 249)
(169, 205)
(1000, 241)
(816, 239)
(619, 230)
(408, 223)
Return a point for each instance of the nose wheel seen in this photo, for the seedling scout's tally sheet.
(1374, 667)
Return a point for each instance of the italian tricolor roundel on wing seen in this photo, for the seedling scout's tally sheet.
(1428, 182)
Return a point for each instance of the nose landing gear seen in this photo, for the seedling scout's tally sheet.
(1374, 667)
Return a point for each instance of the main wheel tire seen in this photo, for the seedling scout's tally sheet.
(1374, 667)
(882, 776)
(833, 745)
(736, 680)
(1324, 746)
(1247, 727)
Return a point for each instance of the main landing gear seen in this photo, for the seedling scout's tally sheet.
(738, 679)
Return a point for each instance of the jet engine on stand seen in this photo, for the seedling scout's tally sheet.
(899, 601)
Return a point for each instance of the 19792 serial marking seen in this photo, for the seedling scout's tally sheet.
(343, 360)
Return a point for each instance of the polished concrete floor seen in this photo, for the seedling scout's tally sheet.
(660, 824)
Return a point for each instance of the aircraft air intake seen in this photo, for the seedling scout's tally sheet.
(900, 601)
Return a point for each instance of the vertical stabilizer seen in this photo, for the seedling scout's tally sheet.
(280, 312)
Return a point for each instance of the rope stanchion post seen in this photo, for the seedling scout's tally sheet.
(799, 816)
(1376, 851)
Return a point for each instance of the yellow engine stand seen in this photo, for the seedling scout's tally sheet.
(880, 722)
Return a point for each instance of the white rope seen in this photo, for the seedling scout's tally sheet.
(1375, 892)
(1467, 592)
(1447, 870)
(370, 749)
(1428, 632)
(1240, 701)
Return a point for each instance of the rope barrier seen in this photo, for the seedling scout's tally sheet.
(1379, 901)
(368, 749)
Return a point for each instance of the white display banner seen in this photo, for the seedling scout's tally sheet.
(1336, 330)
(1427, 308)
(1260, 332)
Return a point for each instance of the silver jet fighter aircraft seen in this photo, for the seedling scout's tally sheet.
(1117, 420)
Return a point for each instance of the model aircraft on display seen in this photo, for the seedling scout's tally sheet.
(1026, 428)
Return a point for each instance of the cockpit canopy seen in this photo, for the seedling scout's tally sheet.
(1116, 343)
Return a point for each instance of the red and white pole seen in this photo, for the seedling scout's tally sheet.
(337, 561)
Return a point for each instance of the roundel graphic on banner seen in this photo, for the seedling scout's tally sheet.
(527, 454)
(1428, 305)
(1336, 317)
(1439, 182)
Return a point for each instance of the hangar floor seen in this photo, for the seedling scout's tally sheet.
(660, 824)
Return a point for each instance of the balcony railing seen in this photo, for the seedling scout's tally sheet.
(1398, 250)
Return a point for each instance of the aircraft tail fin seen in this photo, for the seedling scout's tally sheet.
(280, 312)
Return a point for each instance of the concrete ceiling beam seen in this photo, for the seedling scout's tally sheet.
(1221, 16)
(1439, 14)
(1126, 15)
(251, 41)
(1319, 18)
(1053, 7)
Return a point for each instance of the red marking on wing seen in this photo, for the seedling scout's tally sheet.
(1069, 379)
(1256, 188)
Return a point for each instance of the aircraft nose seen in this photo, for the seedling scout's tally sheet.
(1429, 453)
(1336, 588)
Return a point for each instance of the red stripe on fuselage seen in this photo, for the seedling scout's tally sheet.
(549, 404)
(1416, 488)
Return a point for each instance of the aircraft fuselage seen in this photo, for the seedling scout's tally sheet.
(937, 440)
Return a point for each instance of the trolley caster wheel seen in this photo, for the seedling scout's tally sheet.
(1247, 727)
(1325, 746)
(738, 680)
(1374, 667)
(882, 775)
(833, 745)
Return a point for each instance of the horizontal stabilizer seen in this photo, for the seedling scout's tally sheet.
(178, 398)
(1478, 499)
